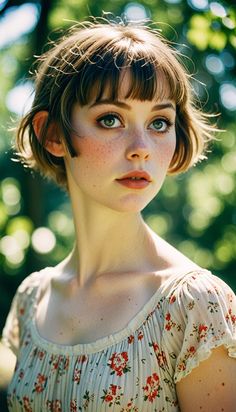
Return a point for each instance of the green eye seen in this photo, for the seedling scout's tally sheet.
(109, 121)
(160, 125)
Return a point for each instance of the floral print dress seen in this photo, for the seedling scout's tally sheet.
(133, 370)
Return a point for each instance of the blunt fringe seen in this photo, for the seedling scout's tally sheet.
(89, 60)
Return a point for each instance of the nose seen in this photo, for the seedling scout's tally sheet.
(138, 149)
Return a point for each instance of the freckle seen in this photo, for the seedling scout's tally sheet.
(220, 370)
(208, 394)
(60, 333)
(199, 380)
(101, 318)
(200, 407)
(223, 384)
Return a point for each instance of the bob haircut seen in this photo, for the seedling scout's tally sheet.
(88, 61)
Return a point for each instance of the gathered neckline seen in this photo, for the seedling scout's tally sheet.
(109, 340)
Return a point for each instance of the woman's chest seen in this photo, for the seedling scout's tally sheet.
(91, 315)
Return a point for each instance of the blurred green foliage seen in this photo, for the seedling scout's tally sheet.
(195, 211)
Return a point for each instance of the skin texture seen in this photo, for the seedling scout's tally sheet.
(108, 153)
(211, 386)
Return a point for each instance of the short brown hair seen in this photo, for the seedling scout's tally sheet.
(88, 60)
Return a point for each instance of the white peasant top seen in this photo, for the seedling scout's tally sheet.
(133, 370)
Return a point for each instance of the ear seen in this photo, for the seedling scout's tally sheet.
(53, 143)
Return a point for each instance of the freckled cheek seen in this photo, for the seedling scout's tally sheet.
(95, 156)
(165, 153)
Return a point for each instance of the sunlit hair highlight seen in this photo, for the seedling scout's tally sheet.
(88, 62)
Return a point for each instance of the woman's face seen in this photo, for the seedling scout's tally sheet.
(118, 137)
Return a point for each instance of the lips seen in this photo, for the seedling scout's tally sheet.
(136, 179)
(136, 175)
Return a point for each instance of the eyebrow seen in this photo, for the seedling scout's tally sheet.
(123, 105)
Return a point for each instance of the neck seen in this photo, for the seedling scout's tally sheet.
(108, 241)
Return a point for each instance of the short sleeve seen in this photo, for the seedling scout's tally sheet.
(200, 316)
(19, 312)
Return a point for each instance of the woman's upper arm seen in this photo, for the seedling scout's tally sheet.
(211, 386)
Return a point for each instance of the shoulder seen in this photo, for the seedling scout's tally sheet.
(198, 297)
(33, 281)
(197, 282)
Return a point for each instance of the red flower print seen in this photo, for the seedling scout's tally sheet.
(21, 311)
(168, 316)
(118, 362)
(59, 364)
(172, 299)
(231, 316)
(152, 388)
(113, 389)
(41, 354)
(192, 350)
(202, 331)
(155, 347)
(40, 384)
(131, 339)
(82, 358)
(112, 396)
(160, 355)
(73, 406)
(161, 358)
(130, 407)
(170, 324)
(140, 335)
(77, 375)
(54, 406)
(181, 366)
(26, 404)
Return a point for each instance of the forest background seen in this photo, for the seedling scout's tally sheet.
(194, 211)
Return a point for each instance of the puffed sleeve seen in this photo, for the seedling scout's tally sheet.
(19, 313)
(200, 315)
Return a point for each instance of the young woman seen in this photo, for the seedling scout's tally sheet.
(125, 322)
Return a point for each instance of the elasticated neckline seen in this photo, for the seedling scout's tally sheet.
(102, 343)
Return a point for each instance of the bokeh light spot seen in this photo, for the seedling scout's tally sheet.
(198, 4)
(20, 98)
(135, 12)
(43, 240)
(12, 251)
(214, 64)
(218, 9)
(17, 21)
(228, 96)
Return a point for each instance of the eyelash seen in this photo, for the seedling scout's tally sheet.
(115, 115)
